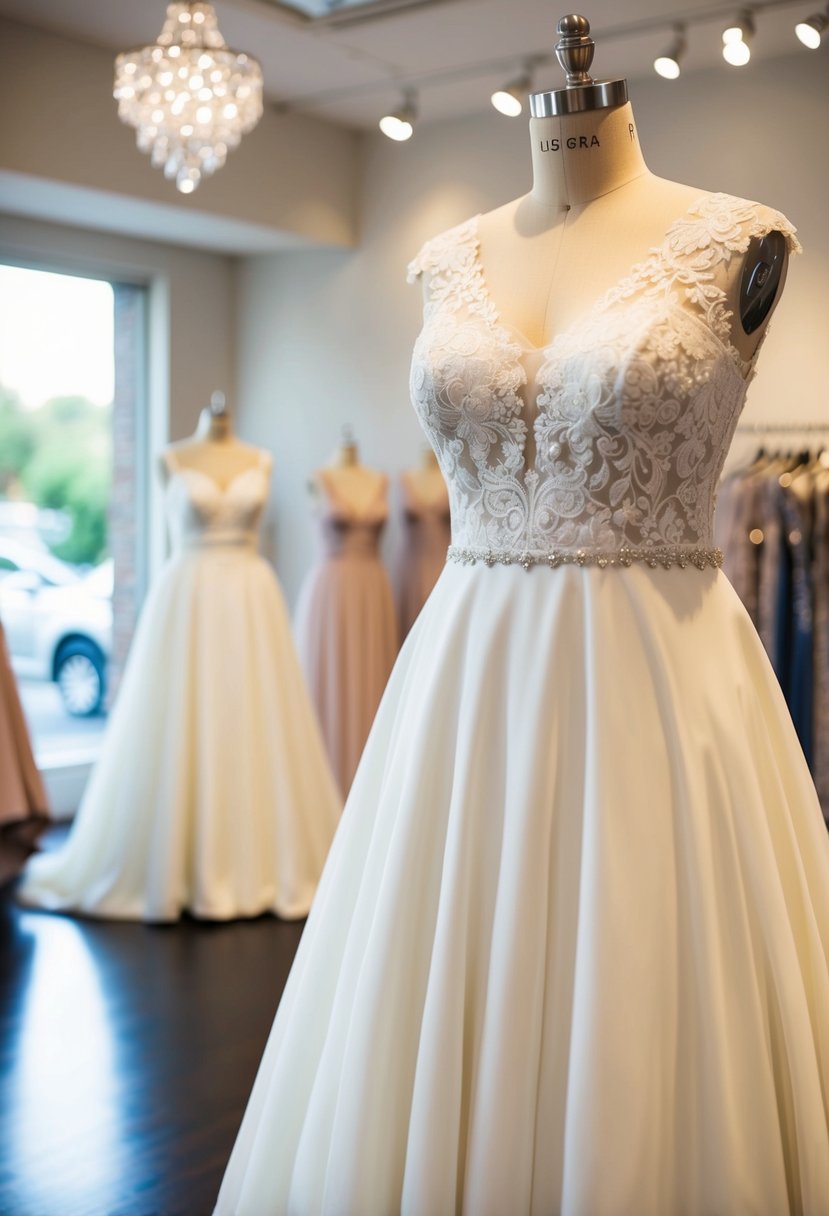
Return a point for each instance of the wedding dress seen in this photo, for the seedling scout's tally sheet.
(569, 951)
(212, 792)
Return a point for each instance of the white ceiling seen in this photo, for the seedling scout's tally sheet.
(351, 72)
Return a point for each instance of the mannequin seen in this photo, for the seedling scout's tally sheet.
(594, 210)
(212, 793)
(356, 486)
(212, 449)
(345, 623)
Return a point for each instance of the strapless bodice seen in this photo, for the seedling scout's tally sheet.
(201, 514)
(606, 446)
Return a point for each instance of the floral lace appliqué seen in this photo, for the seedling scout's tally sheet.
(634, 408)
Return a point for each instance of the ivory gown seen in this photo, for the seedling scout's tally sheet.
(569, 952)
(213, 792)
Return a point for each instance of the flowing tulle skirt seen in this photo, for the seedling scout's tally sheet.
(213, 792)
(22, 796)
(347, 641)
(569, 952)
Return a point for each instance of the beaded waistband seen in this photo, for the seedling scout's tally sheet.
(218, 541)
(665, 556)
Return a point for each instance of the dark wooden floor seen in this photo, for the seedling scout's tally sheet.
(127, 1053)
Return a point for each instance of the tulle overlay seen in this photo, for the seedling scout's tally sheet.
(213, 792)
(569, 953)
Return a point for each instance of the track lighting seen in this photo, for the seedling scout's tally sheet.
(736, 39)
(667, 65)
(810, 30)
(510, 99)
(399, 125)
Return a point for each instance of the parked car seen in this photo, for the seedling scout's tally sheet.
(58, 623)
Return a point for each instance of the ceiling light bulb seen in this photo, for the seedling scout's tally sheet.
(810, 30)
(736, 53)
(736, 39)
(667, 65)
(507, 103)
(399, 125)
(509, 100)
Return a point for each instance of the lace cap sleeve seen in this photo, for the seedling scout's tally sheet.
(766, 220)
(419, 264)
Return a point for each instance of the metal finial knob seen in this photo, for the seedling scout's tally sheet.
(575, 49)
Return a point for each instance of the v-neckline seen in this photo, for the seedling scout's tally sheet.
(221, 490)
(654, 253)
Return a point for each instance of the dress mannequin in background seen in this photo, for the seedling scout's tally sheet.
(212, 449)
(569, 953)
(345, 622)
(212, 793)
(24, 808)
(427, 535)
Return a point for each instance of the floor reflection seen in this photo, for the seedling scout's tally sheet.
(127, 1053)
(62, 1075)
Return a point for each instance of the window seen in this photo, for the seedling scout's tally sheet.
(57, 381)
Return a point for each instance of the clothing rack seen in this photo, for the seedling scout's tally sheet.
(782, 428)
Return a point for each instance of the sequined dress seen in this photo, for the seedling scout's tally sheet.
(569, 953)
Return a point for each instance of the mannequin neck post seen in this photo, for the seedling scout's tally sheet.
(579, 157)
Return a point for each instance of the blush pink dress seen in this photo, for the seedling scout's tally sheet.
(427, 537)
(346, 627)
(22, 796)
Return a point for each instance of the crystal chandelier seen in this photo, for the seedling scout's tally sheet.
(189, 96)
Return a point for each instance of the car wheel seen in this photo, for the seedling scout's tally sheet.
(79, 674)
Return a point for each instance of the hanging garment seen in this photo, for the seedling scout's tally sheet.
(569, 952)
(212, 792)
(426, 538)
(820, 583)
(345, 624)
(22, 796)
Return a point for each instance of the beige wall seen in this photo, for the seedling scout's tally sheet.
(325, 338)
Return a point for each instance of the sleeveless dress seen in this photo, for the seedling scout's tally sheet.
(345, 623)
(212, 793)
(427, 533)
(569, 951)
(23, 799)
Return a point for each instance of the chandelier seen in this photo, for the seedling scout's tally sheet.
(189, 96)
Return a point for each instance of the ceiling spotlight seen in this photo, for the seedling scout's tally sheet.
(510, 99)
(399, 125)
(736, 39)
(810, 30)
(667, 65)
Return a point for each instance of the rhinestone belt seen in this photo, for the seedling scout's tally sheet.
(666, 556)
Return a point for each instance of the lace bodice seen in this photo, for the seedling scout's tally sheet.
(608, 443)
(203, 514)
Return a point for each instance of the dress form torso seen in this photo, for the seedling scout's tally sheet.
(593, 212)
(214, 451)
(356, 489)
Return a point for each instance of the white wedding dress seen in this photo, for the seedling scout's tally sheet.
(213, 793)
(569, 951)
